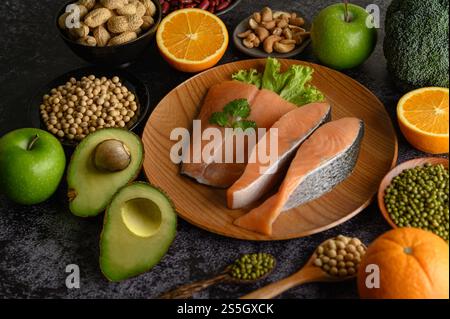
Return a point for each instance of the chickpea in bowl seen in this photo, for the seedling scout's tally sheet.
(83, 101)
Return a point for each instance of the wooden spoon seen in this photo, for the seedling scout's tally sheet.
(186, 291)
(309, 273)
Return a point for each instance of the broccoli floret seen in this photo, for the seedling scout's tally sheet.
(416, 43)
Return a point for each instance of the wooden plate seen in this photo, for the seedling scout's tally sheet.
(397, 171)
(205, 206)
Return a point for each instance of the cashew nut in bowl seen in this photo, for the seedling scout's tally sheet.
(266, 14)
(298, 38)
(287, 41)
(269, 25)
(269, 43)
(245, 34)
(251, 37)
(299, 22)
(277, 31)
(256, 42)
(262, 33)
(295, 28)
(252, 41)
(248, 44)
(253, 24)
(281, 14)
(287, 33)
(283, 23)
(283, 48)
(271, 31)
(257, 17)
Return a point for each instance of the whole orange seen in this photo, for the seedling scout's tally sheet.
(411, 264)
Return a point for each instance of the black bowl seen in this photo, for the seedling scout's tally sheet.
(113, 56)
(229, 8)
(135, 85)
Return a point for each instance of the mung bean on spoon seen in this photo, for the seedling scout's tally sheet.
(248, 269)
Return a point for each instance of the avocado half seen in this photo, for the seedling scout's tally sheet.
(91, 187)
(139, 227)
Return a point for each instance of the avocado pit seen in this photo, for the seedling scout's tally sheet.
(111, 155)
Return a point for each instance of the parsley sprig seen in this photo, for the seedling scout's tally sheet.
(234, 115)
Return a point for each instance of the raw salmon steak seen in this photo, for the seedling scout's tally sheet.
(266, 108)
(323, 161)
(290, 130)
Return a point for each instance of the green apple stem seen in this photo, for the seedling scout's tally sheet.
(32, 142)
(346, 15)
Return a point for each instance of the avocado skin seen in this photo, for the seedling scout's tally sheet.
(73, 171)
(157, 252)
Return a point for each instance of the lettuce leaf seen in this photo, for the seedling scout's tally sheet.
(292, 85)
(248, 76)
(273, 79)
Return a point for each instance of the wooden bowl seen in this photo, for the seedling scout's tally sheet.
(397, 171)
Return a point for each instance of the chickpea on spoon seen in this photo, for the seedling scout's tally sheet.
(337, 259)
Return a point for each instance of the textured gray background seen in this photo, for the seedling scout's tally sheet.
(36, 243)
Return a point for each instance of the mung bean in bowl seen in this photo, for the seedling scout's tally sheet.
(415, 194)
(88, 99)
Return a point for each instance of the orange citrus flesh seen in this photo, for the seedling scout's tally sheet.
(424, 120)
(192, 40)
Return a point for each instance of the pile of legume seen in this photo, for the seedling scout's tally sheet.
(340, 256)
(212, 6)
(79, 107)
(418, 197)
(252, 266)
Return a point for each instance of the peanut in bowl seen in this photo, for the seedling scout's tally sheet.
(91, 37)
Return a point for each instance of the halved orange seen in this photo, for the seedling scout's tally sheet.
(423, 119)
(192, 40)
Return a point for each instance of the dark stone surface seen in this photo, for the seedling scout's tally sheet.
(36, 243)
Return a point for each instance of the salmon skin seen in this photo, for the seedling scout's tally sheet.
(266, 108)
(291, 130)
(323, 161)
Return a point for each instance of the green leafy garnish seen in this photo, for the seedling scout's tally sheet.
(237, 108)
(219, 118)
(244, 125)
(292, 85)
(234, 115)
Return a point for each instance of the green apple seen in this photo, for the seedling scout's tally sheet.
(32, 163)
(343, 39)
